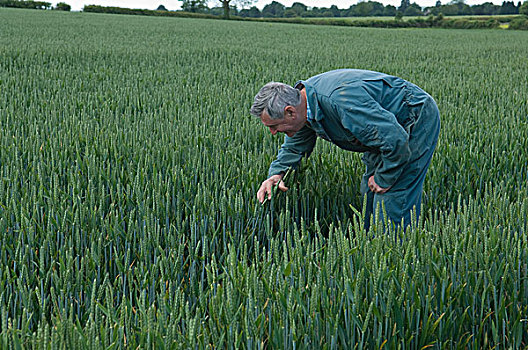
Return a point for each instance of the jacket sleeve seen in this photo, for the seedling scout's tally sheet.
(292, 150)
(375, 127)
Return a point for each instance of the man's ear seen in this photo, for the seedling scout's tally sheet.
(290, 111)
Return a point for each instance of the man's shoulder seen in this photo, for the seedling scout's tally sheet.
(326, 83)
(347, 74)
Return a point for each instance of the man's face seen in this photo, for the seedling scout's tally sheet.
(289, 124)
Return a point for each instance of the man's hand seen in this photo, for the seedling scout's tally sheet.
(267, 185)
(374, 186)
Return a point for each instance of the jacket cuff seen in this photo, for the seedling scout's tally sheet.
(381, 183)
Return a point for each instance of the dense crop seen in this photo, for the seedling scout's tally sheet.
(129, 166)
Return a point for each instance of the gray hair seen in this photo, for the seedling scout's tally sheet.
(273, 98)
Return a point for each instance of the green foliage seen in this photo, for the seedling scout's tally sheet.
(454, 8)
(367, 8)
(466, 23)
(253, 12)
(397, 22)
(438, 21)
(404, 4)
(523, 10)
(413, 10)
(62, 6)
(193, 5)
(520, 23)
(229, 5)
(37, 5)
(273, 10)
(129, 165)
(141, 12)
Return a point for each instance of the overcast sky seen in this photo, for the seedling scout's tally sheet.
(77, 5)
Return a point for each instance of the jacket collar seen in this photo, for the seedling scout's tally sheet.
(316, 114)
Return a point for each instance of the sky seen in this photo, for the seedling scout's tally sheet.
(171, 5)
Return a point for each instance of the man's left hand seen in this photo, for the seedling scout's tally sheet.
(374, 186)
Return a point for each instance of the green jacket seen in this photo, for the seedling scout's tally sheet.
(359, 111)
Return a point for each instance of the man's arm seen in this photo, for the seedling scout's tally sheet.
(292, 150)
(290, 154)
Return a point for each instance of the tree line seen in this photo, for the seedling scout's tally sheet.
(276, 10)
(35, 5)
(361, 9)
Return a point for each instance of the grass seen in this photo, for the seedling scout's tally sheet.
(129, 166)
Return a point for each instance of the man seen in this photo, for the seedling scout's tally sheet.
(393, 122)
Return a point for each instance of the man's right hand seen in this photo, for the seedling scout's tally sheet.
(267, 185)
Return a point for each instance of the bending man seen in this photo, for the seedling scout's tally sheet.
(393, 122)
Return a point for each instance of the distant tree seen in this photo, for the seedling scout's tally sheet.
(389, 10)
(252, 12)
(314, 12)
(508, 8)
(216, 11)
(227, 5)
(398, 16)
(413, 10)
(275, 9)
(523, 10)
(290, 13)
(298, 9)
(369, 8)
(332, 11)
(403, 5)
(455, 8)
(335, 11)
(161, 8)
(377, 8)
(62, 6)
(438, 3)
(193, 5)
(486, 8)
(361, 9)
(37, 5)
